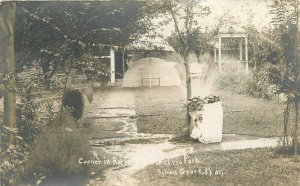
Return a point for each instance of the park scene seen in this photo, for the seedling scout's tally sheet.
(127, 93)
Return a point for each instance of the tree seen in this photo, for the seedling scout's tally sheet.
(184, 15)
(286, 29)
(200, 42)
(12, 155)
(43, 29)
(297, 70)
(7, 19)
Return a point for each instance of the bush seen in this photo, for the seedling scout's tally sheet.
(236, 82)
(14, 155)
(246, 84)
(56, 154)
(13, 158)
(73, 99)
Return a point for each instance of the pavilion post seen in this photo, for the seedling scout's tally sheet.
(215, 51)
(241, 53)
(246, 53)
(220, 53)
(123, 63)
(112, 66)
(241, 49)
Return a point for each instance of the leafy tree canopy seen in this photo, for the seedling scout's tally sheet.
(47, 29)
(184, 15)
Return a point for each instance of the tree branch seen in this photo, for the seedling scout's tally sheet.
(176, 26)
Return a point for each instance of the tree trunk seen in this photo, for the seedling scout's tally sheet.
(297, 82)
(7, 20)
(188, 79)
(62, 99)
(188, 87)
(285, 123)
(297, 102)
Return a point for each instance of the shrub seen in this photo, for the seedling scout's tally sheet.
(246, 84)
(14, 155)
(56, 154)
(73, 100)
(13, 158)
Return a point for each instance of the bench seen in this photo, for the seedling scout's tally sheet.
(153, 81)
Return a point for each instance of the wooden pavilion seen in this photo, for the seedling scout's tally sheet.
(219, 47)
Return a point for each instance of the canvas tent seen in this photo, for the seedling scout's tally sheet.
(149, 72)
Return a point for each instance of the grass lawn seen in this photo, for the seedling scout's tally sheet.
(251, 116)
(161, 110)
(238, 167)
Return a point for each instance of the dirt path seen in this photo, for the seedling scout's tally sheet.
(115, 119)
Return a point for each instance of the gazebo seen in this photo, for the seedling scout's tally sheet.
(231, 33)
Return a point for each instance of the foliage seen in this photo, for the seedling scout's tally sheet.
(56, 154)
(254, 84)
(184, 15)
(272, 50)
(73, 100)
(285, 22)
(199, 42)
(47, 31)
(94, 69)
(47, 47)
(13, 157)
(197, 103)
(32, 106)
(12, 152)
(262, 47)
(263, 79)
(285, 30)
(29, 121)
(56, 150)
(110, 23)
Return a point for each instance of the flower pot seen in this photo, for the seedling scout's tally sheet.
(207, 124)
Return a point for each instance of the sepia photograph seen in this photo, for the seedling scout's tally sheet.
(149, 93)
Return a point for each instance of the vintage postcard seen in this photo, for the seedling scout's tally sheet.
(149, 92)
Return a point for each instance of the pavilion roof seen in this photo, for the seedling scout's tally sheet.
(231, 31)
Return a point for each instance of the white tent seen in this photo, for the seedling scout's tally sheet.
(150, 72)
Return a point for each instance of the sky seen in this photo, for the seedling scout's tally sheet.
(238, 9)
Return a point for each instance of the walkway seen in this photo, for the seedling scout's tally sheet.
(115, 132)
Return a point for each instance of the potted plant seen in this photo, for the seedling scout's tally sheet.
(206, 119)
